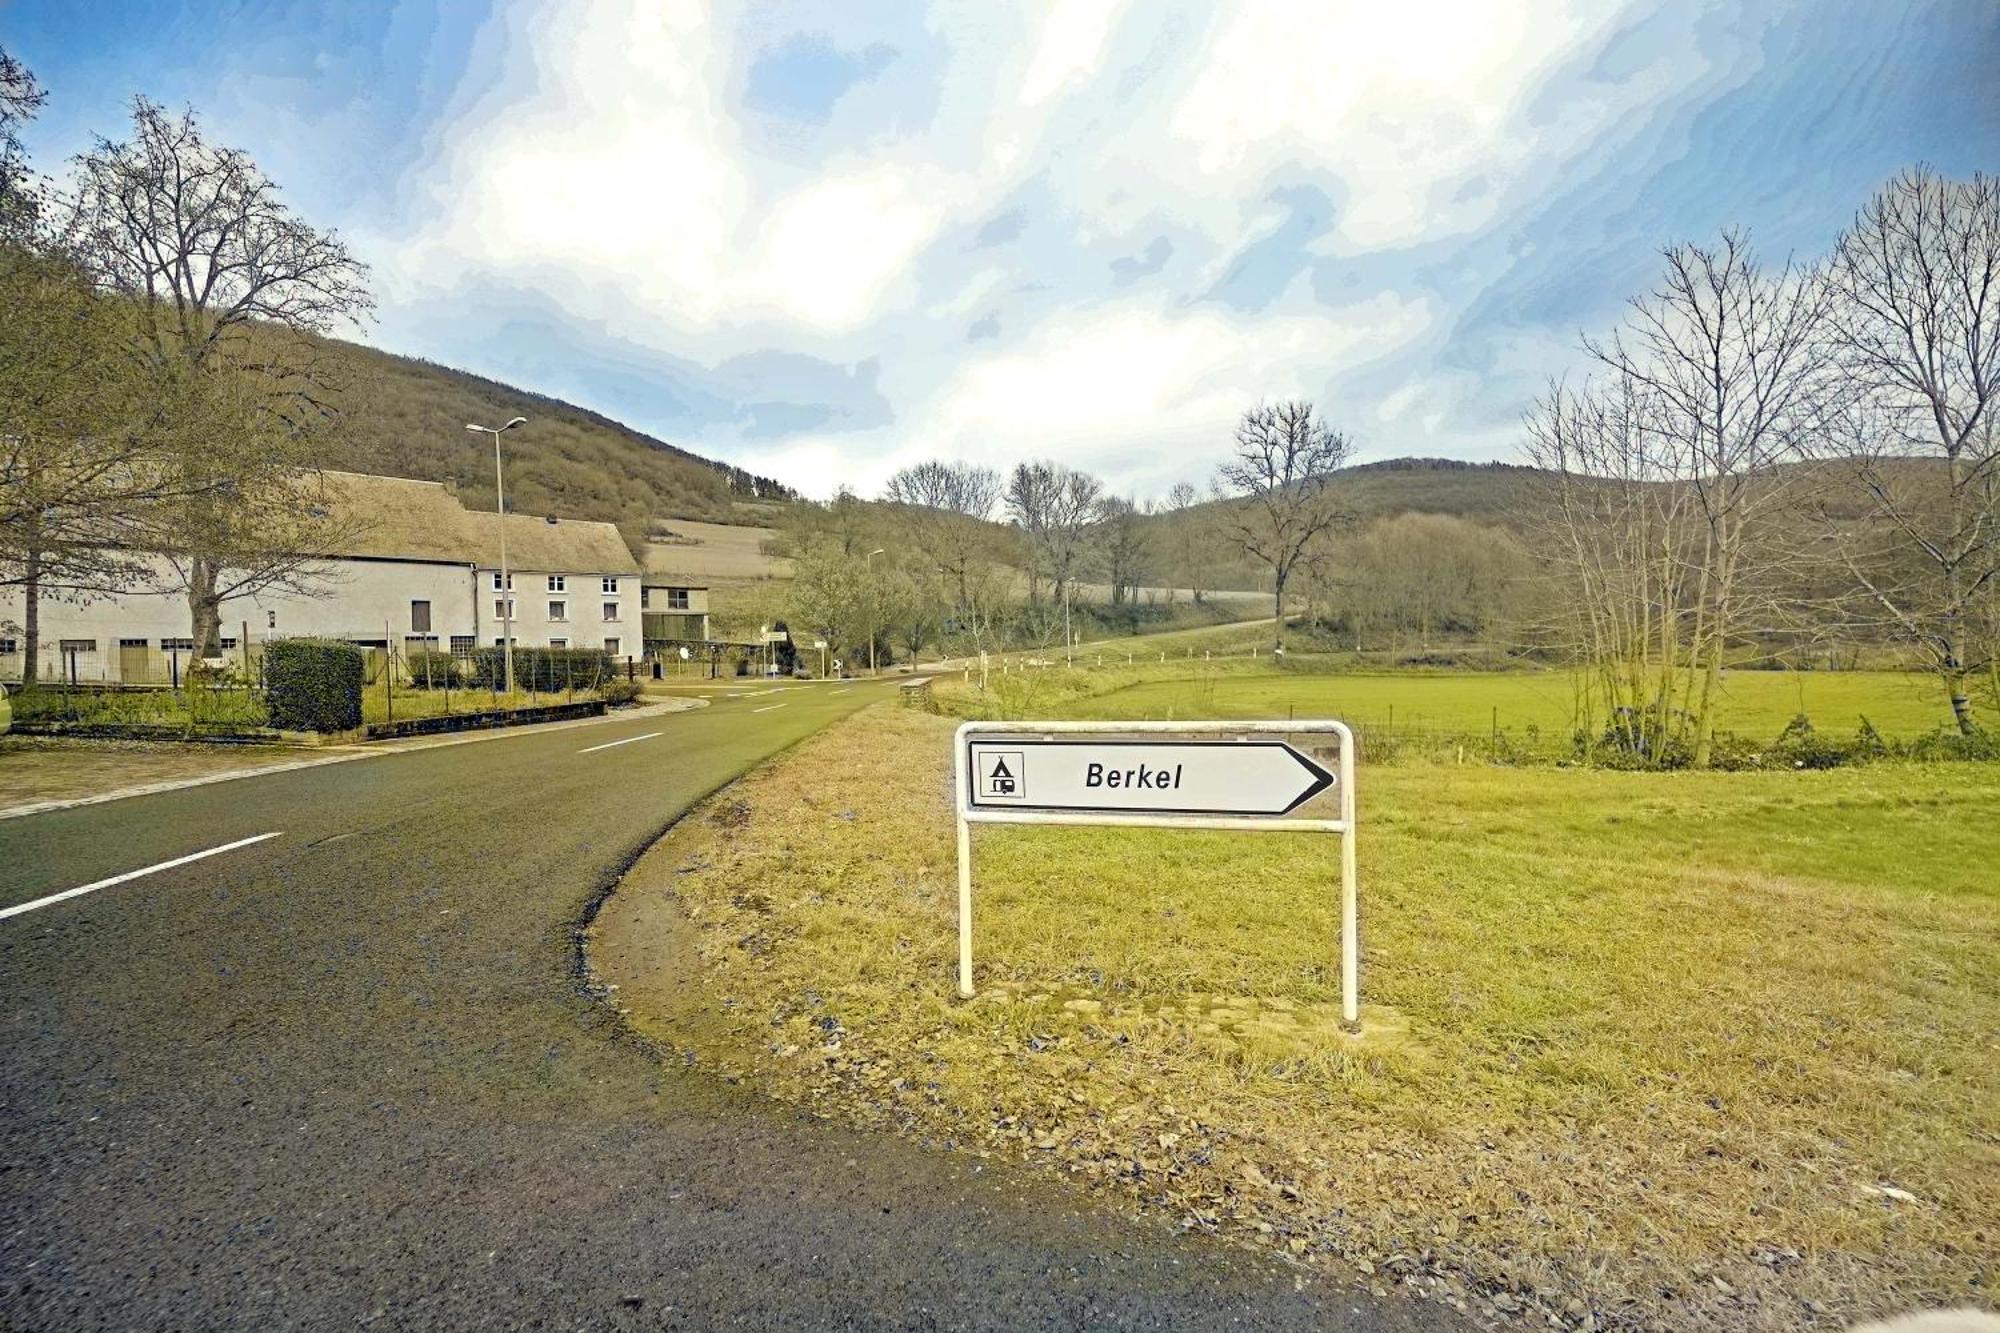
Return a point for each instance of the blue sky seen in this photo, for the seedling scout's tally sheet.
(828, 239)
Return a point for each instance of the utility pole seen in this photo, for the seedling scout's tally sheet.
(506, 579)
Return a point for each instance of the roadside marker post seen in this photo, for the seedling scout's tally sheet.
(1140, 775)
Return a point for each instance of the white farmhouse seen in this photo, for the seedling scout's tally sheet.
(420, 571)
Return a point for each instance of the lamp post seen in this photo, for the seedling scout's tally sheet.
(868, 564)
(506, 579)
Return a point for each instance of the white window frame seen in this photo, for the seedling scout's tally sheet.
(559, 612)
(610, 616)
(558, 583)
(610, 586)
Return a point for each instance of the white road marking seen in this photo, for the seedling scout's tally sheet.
(766, 708)
(19, 908)
(608, 745)
(842, 691)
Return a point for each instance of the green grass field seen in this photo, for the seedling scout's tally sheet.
(1654, 1043)
(1756, 704)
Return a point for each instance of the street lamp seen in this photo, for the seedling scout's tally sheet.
(868, 564)
(506, 579)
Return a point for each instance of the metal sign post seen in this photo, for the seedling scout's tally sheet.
(1141, 775)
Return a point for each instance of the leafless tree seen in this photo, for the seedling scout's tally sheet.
(1916, 317)
(1031, 500)
(952, 502)
(1617, 538)
(225, 282)
(21, 97)
(1054, 505)
(1282, 475)
(1728, 360)
(1124, 546)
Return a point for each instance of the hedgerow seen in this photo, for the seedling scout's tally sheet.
(313, 684)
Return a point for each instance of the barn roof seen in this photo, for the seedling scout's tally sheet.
(396, 518)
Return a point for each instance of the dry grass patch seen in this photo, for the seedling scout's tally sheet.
(35, 769)
(1670, 1050)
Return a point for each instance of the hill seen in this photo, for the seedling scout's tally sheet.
(1489, 493)
(407, 418)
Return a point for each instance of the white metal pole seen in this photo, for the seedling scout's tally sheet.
(964, 909)
(964, 867)
(1350, 912)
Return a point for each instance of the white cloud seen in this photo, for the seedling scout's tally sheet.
(1403, 103)
(1070, 45)
(621, 171)
(608, 171)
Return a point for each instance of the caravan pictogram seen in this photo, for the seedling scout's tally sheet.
(1000, 776)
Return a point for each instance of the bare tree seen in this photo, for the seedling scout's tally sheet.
(224, 281)
(953, 502)
(1054, 505)
(1282, 473)
(1124, 545)
(1196, 547)
(1729, 361)
(21, 97)
(1917, 322)
(1617, 537)
(1031, 501)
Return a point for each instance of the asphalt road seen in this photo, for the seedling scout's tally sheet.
(345, 1076)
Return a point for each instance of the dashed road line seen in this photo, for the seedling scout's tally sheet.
(766, 708)
(81, 889)
(608, 745)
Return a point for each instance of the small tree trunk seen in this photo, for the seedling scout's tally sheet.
(205, 608)
(1278, 607)
(31, 617)
(1961, 699)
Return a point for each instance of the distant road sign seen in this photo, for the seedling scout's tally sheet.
(1265, 778)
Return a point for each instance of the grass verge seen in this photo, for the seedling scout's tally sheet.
(1651, 1050)
(35, 769)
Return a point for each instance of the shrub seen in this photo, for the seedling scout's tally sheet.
(428, 668)
(313, 684)
(546, 670)
(619, 692)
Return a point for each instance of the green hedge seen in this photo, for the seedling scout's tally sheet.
(545, 670)
(313, 684)
(427, 668)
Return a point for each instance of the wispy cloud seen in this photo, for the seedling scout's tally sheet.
(826, 238)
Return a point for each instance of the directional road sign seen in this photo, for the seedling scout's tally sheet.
(1254, 778)
(1242, 776)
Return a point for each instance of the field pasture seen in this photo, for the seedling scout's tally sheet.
(713, 552)
(1755, 703)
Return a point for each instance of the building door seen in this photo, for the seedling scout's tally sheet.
(135, 662)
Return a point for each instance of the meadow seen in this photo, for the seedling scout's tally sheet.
(1688, 1050)
(1754, 703)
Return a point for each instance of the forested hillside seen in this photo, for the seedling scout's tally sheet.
(407, 418)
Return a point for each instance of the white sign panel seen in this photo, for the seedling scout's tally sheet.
(1207, 775)
(1256, 778)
